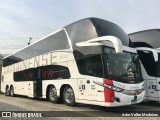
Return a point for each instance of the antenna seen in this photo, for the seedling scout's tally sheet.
(29, 41)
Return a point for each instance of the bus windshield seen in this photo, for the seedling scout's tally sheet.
(151, 67)
(158, 66)
(123, 67)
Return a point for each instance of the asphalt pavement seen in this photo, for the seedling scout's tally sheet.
(35, 108)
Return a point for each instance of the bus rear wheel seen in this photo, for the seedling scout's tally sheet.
(68, 96)
(53, 95)
(12, 91)
(7, 91)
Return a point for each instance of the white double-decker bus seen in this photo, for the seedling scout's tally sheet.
(90, 61)
(147, 43)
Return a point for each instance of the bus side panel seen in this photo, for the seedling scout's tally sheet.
(3, 84)
(150, 86)
(7, 80)
(158, 87)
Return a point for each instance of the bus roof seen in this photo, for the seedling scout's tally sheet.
(82, 30)
(91, 28)
(146, 38)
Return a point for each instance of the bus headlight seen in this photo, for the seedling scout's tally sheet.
(132, 92)
(114, 88)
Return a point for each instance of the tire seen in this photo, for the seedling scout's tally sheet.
(53, 95)
(68, 96)
(7, 91)
(12, 91)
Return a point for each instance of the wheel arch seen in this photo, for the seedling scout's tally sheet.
(11, 86)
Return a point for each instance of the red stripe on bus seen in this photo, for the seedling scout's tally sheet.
(108, 94)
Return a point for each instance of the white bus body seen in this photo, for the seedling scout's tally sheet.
(147, 43)
(77, 64)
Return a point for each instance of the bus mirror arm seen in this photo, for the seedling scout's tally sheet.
(155, 54)
(116, 42)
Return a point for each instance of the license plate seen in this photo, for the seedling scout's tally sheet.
(133, 101)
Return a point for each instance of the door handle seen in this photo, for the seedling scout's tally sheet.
(88, 81)
(159, 82)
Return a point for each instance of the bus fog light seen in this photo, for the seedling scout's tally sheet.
(140, 91)
(116, 99)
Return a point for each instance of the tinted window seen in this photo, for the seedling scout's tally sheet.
(152, 68)
(82, 52)
(25, 75)
(105, 28)
(91, 65)
(56, 41)
(64, 71)
(148, 62)
(123, 67)
(88, 60)
(81, 66)
(54, 72)
(158, 66)
(49, 72)
(142, 44)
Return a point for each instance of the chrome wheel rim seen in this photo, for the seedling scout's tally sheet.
(53, 94)
(12, 92)
(7, 91)
(69, 95)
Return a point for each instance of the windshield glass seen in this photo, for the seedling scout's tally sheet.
(123, 67)
(158, 66)
(151, 67)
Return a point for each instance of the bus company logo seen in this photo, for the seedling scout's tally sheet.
(6, 114)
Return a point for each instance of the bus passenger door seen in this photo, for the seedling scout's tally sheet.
(89, 92)
(38, 83)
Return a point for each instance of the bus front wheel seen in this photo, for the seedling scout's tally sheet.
(68, 96)
(53, 95)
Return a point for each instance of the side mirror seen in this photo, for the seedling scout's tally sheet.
(116, 42)
(155, 54)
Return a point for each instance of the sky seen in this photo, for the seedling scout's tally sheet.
(22, 19)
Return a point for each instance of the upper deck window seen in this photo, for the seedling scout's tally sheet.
(56, 41)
